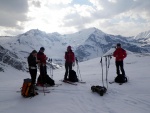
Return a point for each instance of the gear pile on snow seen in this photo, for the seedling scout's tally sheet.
(99, 89)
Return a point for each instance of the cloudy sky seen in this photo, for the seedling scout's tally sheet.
(118, 17)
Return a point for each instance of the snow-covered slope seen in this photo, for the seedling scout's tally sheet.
(131, 97)
(10, 58)
(143, 35)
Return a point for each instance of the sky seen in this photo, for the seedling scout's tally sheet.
(117, 17)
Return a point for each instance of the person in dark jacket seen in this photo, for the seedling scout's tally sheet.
(42, 58)
(69, 61)
(32, 63)
(120, 54)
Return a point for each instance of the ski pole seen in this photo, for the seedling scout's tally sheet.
(106, 70)
(78, 69)
(42, 72)
(107, 67)
(52, 68)
(101, 61)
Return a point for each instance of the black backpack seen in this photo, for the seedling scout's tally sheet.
(46, 80)
(121, 79)
(73, 76)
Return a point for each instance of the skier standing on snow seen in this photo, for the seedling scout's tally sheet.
(32, 62)
(42, 57)
(120, 54)
(69, 61)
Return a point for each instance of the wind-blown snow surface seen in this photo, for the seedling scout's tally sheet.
(131, 97)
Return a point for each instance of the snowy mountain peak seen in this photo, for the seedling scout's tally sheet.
(35, 32)
(143, 35)
(87, 44)
(92, 30)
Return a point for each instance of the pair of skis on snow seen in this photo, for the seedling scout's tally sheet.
(48, 90)
(45, 90)
(115, 82)
(73, 83)
(56, 85)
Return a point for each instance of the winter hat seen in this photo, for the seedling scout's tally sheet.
(118, 45)
(42, 48)
(69, 48)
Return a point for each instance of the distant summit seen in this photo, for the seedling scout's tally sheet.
(87, 44)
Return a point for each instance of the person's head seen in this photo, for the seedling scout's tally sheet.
(42, 49)
(118, 45)
(34, 52)
(68, 48)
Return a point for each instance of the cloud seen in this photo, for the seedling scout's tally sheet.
(12, 11)
(68, 16)
(36, 3)
(111, 9)
(78, 15)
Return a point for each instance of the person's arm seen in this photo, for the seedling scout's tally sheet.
(124, 54)
(115, 53)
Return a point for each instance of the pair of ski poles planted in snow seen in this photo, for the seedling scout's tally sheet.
(107, 62)
(51, 73)
(102, 89)
(51, 67)
(78, 70)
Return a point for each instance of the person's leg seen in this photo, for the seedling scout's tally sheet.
(45, 70)
(33, 73)
(66, 73)
(121, 68)
(34, 76)
(70, 66)
(42, 74)
(117, 68)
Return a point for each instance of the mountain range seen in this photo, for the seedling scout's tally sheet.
(87, 44)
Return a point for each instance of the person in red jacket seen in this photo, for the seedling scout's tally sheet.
(69, 61)
(120, 54)
(42, 58)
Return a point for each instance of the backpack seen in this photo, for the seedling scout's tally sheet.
(121, 79)
(73, 76)
(45, 80)
(28, 89)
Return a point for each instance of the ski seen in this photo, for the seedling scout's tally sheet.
(40, 91)
(112, 82)
(47, 85)
(56, 85)
(18, 91)
(81, 82)
(115, 82)
(72, 83)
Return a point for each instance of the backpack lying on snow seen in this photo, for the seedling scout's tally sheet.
(45, 80)
(121, 79)
(28, 89)
(73, 76)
